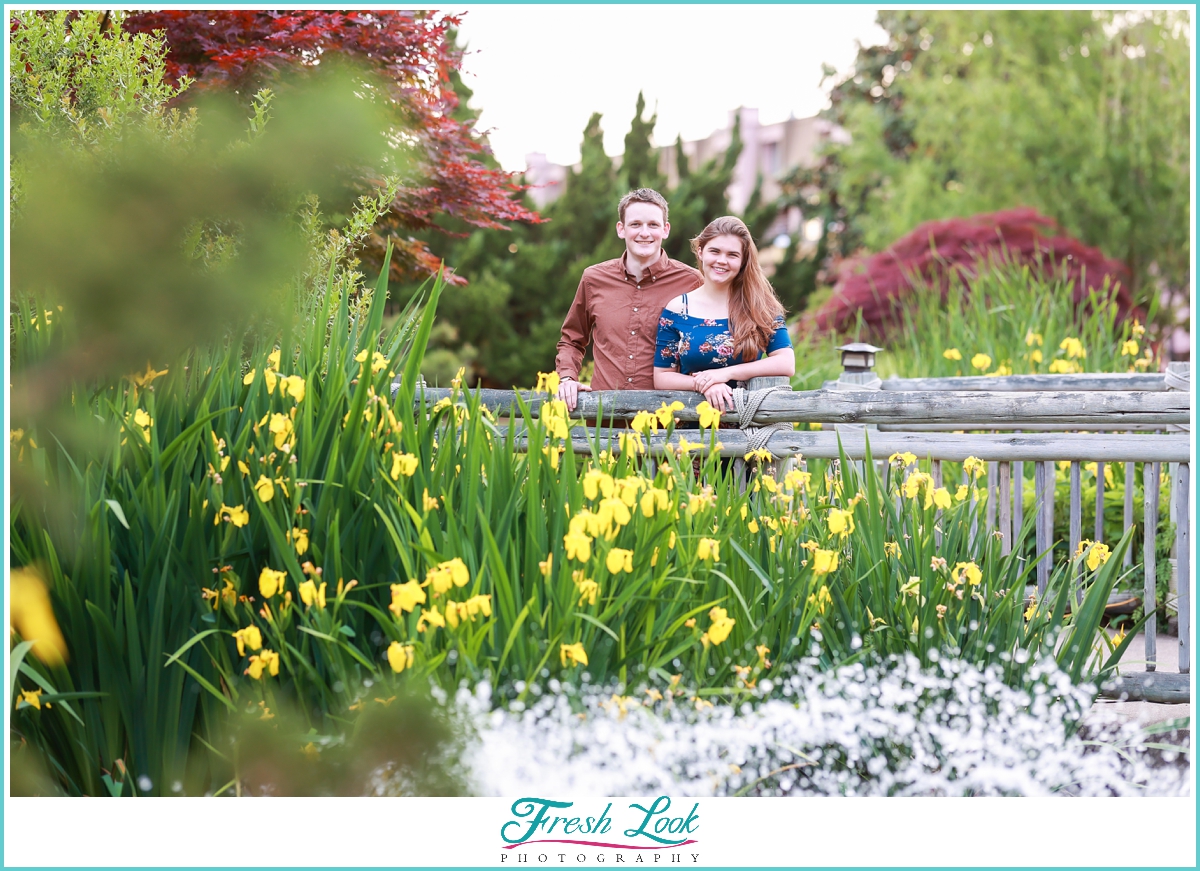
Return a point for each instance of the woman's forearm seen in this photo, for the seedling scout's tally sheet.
(669, 379)
(781, 363)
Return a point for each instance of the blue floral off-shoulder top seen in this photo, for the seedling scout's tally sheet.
(695, 344)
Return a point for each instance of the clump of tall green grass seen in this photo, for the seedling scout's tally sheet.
(1013, 321)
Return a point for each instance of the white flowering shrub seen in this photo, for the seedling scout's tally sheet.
(894, 730)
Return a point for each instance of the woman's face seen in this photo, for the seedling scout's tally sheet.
(721, 259)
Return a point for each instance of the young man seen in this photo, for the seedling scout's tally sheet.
(618, 302)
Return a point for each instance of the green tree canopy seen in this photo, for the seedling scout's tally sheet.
(1084, 116)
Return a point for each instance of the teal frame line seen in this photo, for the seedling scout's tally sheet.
(4, 510)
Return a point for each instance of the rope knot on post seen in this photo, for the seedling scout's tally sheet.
(745, 405)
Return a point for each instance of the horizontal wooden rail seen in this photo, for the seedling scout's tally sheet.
(1164, 688)
(1025, 426)
(1086, 448)
(887, 407)
(1087, 381)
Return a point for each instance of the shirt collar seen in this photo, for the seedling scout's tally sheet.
(655, 270)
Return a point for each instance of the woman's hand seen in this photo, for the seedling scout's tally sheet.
(719, 396)
(708, 379)
(711, 383)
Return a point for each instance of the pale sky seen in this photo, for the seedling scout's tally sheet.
(538, 72)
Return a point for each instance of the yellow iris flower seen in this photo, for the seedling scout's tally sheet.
(709, 417)
(267, 660)
(1073, 347)
(248, 637)
(619, 560)
(270, 582)
(311, 594)
(666, 413)
(974, 467)
(405, 597)
(400, 656)
(722, 625)
(596, 482)
(573, 652)
(824, 561)
(265, 488)
(32, 616)
(968, 572)
(644, 422)
(578, 545)
(433, 617)
(293, 386)
(840, 522)
(403, 464)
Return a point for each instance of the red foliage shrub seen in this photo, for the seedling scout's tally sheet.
(935, 251)
(240, 49)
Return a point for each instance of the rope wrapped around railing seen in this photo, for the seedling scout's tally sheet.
(746, 404)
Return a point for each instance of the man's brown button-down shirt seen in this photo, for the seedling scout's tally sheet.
(618, 315)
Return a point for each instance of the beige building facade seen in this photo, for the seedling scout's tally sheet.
(769, 150)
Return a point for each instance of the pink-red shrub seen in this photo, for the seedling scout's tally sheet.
(876, 285)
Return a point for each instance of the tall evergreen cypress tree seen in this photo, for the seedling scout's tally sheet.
(583, 217)
(639, 166)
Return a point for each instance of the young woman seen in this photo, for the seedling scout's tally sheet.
(729, 329)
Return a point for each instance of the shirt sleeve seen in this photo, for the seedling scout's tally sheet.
(782, 338)
(576, 335)
(666, 346)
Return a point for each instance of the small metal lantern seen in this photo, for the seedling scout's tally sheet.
(858, 356)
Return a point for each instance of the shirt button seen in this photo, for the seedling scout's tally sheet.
(629, 379)
(633, 332)
(639, 287)
(631, 356)
(635, 308)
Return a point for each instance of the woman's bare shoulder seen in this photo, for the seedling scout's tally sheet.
(675, 305)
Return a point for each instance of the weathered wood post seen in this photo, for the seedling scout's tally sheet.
(1150, 590)
(1179, 377)
(858, 363)
(774, 468)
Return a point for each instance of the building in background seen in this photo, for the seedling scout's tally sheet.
(769, 150)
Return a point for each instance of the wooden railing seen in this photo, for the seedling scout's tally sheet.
(1128, 416)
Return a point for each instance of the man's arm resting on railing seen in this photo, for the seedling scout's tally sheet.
(576, 335)
(569, 389)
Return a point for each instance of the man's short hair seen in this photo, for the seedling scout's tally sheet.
(642, 195)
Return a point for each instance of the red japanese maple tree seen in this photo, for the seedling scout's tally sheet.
(876, 285)
(242, 49)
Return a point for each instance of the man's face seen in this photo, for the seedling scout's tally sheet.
(643, 230)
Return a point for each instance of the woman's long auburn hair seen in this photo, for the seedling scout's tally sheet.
(753, 305)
